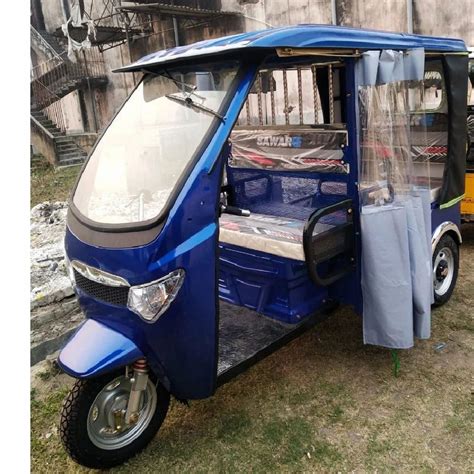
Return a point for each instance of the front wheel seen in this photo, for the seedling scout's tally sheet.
(92, 428)
(445, 269)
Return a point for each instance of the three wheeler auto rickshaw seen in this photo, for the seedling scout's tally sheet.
(247, 186)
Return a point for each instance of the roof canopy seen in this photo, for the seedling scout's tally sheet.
(299, 36)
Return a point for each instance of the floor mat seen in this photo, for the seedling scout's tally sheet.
(244, 332)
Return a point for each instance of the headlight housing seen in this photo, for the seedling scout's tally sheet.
(151, 300)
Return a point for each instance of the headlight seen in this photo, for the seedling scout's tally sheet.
(151, 300)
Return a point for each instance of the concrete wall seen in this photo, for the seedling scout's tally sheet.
(430, 17)
(445, 18)
(70, 103)
(41, 144)
(260, 14)
(85, 140)
(389, 15)
(53, 14)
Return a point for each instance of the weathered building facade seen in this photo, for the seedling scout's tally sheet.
(75, 95)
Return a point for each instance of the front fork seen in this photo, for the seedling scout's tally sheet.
(139, 382)
(123, 419)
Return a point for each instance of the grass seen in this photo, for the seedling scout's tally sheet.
(323, 403)
(50, 184)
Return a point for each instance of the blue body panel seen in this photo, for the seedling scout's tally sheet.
(95, 349)
(449, 214)
(299, 36)
(275, 286)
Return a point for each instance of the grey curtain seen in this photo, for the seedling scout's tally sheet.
(396, 212)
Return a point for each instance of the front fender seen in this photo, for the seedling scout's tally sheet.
(95, 349)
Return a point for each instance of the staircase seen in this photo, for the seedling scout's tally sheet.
(68, 153)
(58, 46)
(52, 80)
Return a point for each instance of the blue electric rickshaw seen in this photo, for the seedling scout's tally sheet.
(247, 186)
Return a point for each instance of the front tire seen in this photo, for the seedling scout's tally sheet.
(445, 269)
(93, 402)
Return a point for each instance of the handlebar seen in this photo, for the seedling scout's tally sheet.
(236, 211)
(309, 243)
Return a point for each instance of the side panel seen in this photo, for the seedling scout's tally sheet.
(450, 214)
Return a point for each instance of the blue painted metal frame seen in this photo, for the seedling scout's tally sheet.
(181, 346)
(348, 290)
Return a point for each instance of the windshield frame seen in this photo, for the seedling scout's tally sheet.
(163, 214)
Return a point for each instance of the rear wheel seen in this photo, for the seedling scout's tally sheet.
(445, 269)
(92, 425)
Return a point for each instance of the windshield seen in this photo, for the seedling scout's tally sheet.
(144, 152)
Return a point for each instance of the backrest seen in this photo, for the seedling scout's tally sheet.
(269, 175)
(288, 149)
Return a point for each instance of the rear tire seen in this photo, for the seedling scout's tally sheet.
(445, 269)
(75, 424)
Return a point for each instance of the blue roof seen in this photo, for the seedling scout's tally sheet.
(300, 36)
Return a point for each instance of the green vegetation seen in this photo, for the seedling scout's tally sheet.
(50, 184)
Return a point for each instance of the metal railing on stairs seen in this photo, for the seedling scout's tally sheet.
(45, 46)
(61, 77)
(54, 111)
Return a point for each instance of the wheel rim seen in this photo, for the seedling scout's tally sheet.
(112, 399)
(443, 271)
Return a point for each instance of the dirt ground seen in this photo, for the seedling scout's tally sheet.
(323, 403)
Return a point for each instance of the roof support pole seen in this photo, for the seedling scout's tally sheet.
(333, 12)
(162, 32)
(127, 36)
(175, 29)
(409, 16)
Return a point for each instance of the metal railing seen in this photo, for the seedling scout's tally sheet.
(54, 110)
(290, 96)
(40, 40)
(55, 78)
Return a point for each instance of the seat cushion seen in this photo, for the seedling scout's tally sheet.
(270, 234)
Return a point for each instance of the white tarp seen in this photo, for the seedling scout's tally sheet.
(77, 21)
